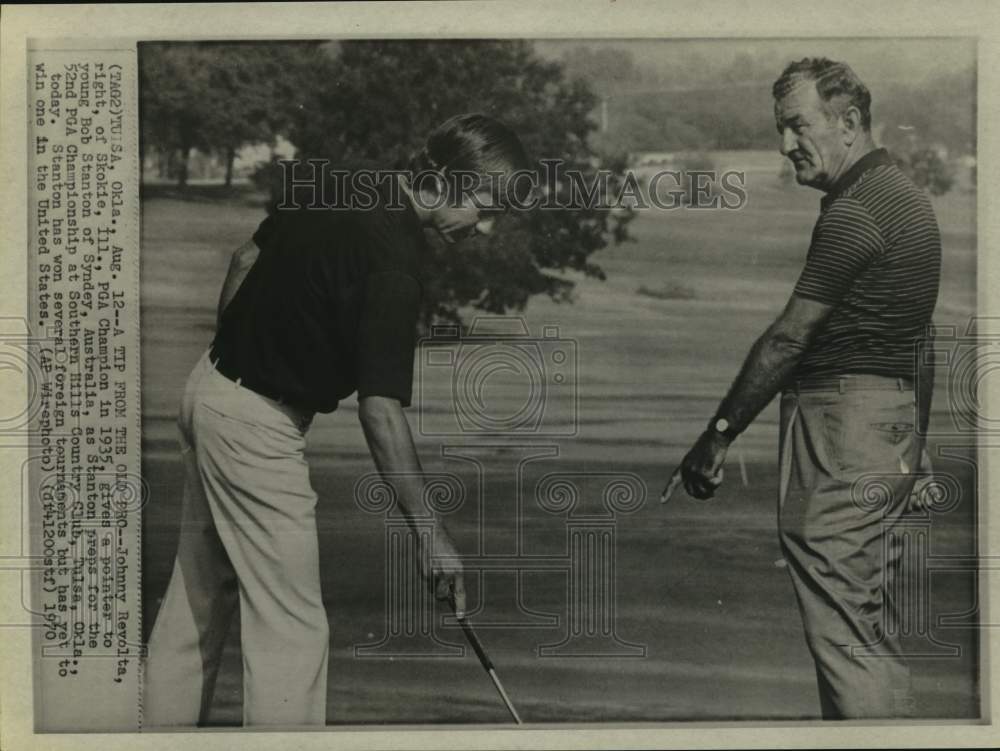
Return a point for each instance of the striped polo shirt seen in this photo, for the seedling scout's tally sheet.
(875, 256)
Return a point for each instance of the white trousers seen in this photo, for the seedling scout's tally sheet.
(248, 536)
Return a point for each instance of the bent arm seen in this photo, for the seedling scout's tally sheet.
(772, 360)
(239, 265)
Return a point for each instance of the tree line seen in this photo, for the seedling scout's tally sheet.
(706, 106)
(372, 103)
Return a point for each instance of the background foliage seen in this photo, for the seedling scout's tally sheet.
(373, 103)
(591, 105)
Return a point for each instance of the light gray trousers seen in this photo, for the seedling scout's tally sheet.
(849, 452)
(248, 536)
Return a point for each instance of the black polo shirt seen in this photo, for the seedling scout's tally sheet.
(875, 256)
(329, 307)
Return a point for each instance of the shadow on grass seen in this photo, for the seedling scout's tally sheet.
(672, 291)
(245, 195)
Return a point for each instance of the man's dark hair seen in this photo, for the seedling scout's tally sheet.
(837, 85)
(477, 144)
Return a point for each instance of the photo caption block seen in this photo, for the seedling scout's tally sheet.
(84, 488)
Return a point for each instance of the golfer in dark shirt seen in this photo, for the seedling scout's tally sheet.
(844, 353)
(322, 303)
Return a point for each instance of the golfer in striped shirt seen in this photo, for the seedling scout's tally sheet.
(843, 355)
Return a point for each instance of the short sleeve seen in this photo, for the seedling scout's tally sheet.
(845, 241)
(262, 238)
(387, 336)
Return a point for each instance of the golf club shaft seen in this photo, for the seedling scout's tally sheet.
(487, 664)
(503, 695)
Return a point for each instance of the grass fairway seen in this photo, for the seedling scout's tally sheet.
(701, 597)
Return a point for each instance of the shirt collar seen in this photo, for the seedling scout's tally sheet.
(869, 161)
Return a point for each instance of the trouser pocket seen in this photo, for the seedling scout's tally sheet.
(870, 431)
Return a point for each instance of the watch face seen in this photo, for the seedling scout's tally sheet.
(722, 425)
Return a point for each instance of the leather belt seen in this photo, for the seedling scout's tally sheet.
(230, 373)
(857, 382)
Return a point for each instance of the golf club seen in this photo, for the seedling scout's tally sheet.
(485, 661)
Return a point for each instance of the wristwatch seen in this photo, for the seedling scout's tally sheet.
(721, 426)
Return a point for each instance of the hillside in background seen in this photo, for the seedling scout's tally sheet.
(673, 95)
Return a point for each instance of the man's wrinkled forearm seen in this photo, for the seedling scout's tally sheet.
(771, 361)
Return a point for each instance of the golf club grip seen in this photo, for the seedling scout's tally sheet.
(476, 646)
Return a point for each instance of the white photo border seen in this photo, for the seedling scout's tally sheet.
(519, 19)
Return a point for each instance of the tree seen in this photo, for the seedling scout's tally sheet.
(375, 102)
(220, 96)
(607, 71)
(174, 102)
(262, 85)
(926, 125)
(926, 168)
(939, 111)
